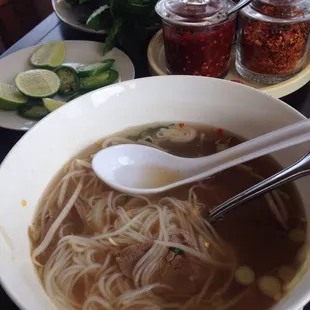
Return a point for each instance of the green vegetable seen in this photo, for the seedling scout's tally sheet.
(176, 251)
(127, 198)
(96, 68)
(100, 80)
(132, 18)
(33, 111)
(10, 97)
(112, 34)
(130, 23)
(69, 80)
(100, 18)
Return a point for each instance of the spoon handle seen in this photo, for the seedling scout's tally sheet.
(292, 173)
(239, 6)
(277, 140)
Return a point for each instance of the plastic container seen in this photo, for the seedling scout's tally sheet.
(273, 40)
(198, 36)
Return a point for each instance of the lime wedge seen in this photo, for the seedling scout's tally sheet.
(38, 83)
(52, 104)
(10, 97)
(50, 55)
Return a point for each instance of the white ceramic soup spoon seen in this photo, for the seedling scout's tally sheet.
(138, 169)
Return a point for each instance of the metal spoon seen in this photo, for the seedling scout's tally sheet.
(298, 170)
(238, 7)
(138, 169)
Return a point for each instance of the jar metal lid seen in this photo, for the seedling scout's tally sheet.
(194, 12)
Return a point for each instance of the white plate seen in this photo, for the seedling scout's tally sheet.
(157, 65)
(76, 52)
(72, 16)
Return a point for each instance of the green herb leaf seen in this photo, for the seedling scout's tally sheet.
(117, 6)
(110, 41)
(176, 251)
(127, 198)
(100, 18)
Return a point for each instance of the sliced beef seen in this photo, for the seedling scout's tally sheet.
(183, 272)
(128, 257)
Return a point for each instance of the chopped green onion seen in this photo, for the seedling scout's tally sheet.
(127, 198)
(176, 251)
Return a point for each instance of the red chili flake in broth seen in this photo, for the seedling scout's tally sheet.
(181, 125)
(220, 132)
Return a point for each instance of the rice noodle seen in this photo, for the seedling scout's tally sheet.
(181, 134)
(85, 262)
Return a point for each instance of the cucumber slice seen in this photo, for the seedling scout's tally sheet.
(96, 68)
(50, 55)
(33, 111)
(38, 83)
(10, 97)
(51, 104)
(100, 80)
(69, 80)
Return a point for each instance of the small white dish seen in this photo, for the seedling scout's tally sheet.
(72, 16)
(157, 66)
(84, 52)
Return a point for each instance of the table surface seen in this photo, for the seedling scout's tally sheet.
(52, 29)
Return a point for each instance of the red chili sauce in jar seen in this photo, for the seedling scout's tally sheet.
(193, 50)
(273, 48)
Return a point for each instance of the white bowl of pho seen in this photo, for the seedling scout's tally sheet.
(68, 241)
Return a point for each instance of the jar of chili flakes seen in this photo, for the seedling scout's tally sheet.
(273, 39)
(198, 36)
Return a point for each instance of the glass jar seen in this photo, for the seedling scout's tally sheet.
(273, 40)
(198, 36)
